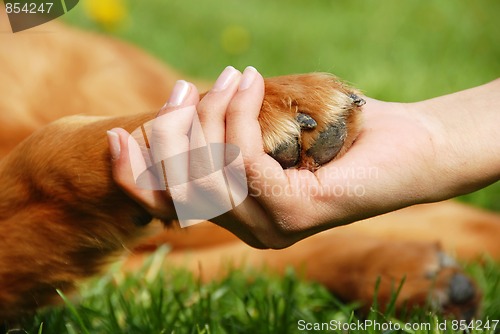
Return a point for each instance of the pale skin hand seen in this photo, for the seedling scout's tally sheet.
(406, 154)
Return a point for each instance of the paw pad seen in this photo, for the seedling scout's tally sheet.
(308, 120)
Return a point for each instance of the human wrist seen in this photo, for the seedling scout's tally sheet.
(463, 140)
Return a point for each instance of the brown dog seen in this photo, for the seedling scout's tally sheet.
(62, 217)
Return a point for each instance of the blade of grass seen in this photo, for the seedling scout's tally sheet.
(73, 311)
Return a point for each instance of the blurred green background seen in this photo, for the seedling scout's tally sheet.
(392, 50)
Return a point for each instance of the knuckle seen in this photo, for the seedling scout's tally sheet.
(234, 107)
(208, 108)
(162, 126)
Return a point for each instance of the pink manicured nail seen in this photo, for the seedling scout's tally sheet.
(114, 144)
(248, 78)
(179, 93)
(225, 78)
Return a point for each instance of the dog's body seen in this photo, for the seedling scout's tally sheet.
(62, 216)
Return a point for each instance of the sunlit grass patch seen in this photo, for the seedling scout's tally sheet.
(173, 301)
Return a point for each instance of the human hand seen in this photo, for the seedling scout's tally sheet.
(405, 154)
(392, 164)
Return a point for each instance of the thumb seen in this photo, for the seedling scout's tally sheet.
(132, 156)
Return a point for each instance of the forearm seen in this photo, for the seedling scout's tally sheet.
(465, 139)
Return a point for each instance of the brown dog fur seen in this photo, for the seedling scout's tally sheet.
(62, 217)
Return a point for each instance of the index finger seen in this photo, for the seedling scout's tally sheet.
(243, 128)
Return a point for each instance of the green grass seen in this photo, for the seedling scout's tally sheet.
(243, 302)
(393, 50)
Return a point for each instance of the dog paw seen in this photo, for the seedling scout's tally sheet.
(432, 279)
(308, 120)
(453, 292)
(429, 278)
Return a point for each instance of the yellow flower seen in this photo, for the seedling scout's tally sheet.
(108, 13)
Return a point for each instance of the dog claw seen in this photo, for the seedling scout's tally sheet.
(357, 100)
(306, 122)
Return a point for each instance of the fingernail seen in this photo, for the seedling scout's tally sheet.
(225, 78)
(248, 78)
(114, 144)
(179, 93)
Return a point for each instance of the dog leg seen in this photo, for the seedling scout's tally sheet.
(350, 264)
